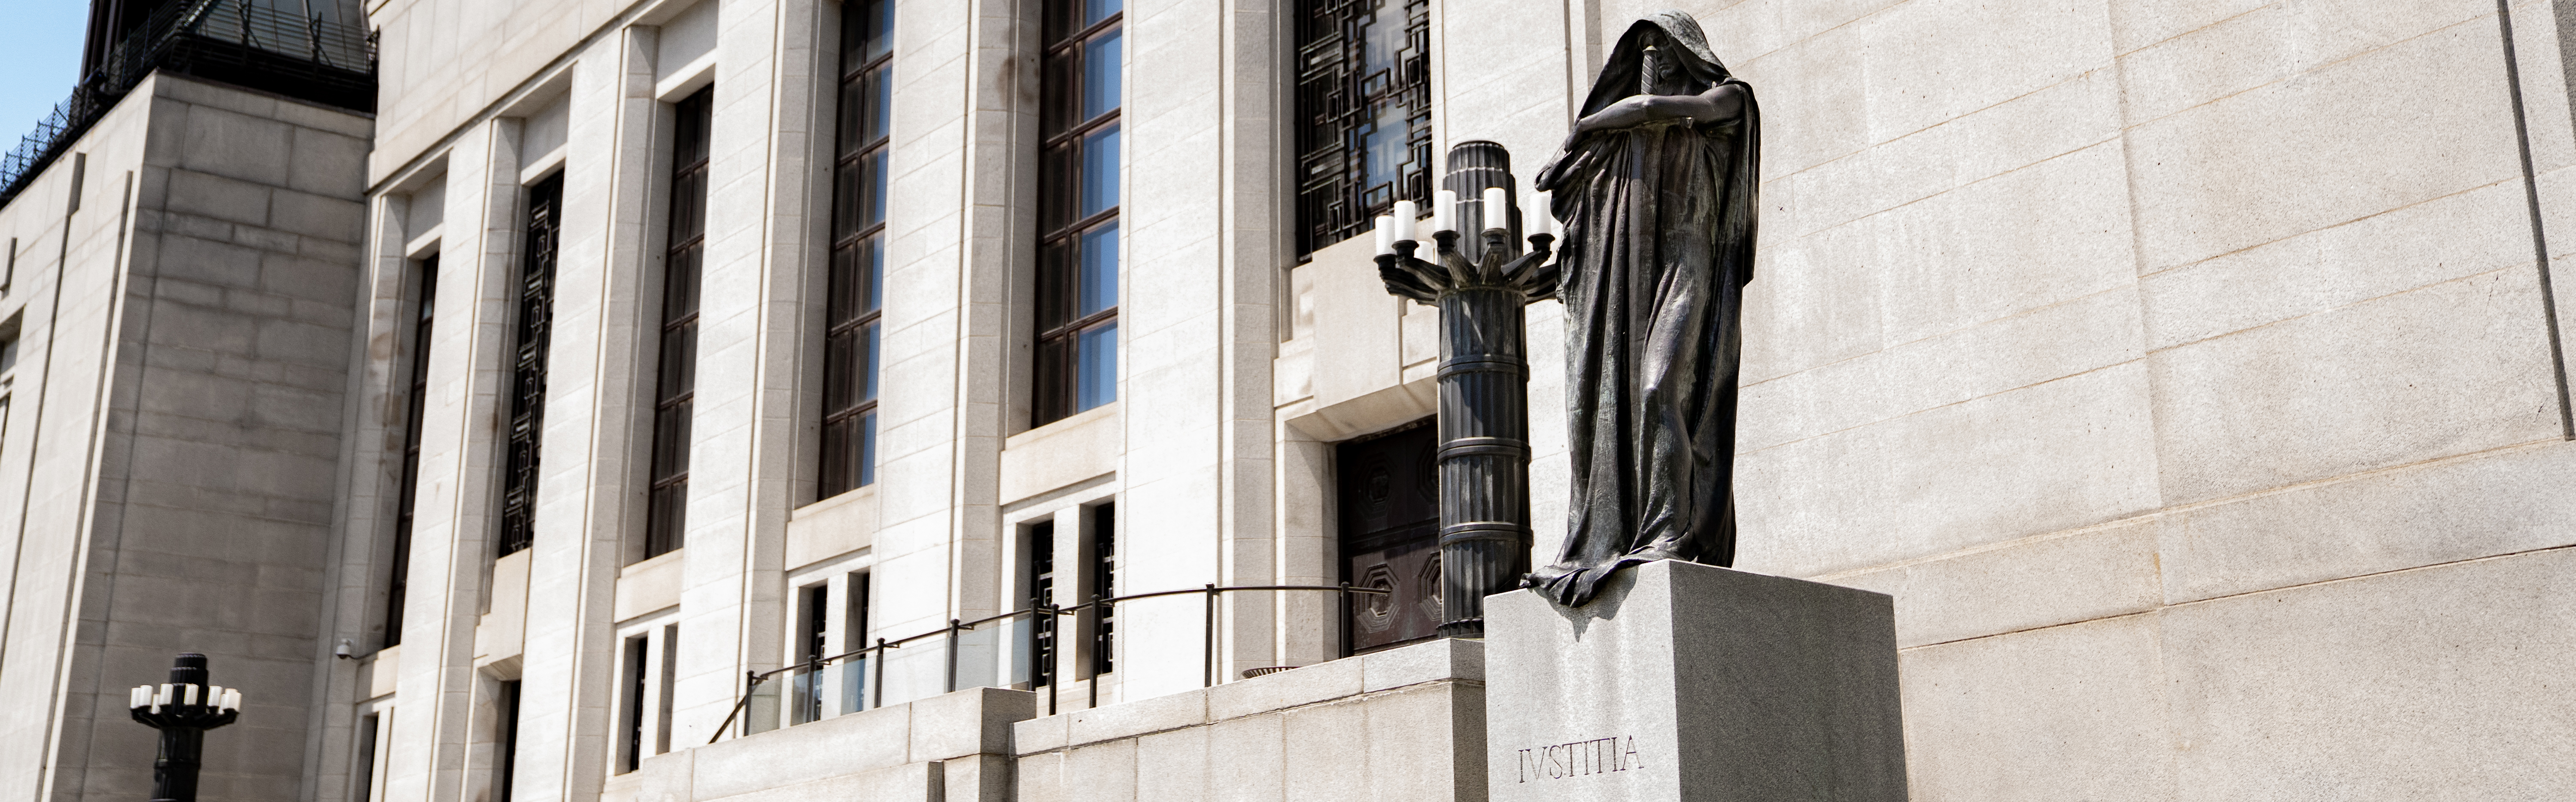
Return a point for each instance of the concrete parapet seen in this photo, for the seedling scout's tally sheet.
(953, 746)
(1404, 723)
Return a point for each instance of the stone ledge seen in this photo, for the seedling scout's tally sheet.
(925, 731)
(1444, 661)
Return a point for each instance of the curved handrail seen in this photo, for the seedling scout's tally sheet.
(955, 626)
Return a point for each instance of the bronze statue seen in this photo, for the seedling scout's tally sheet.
(1656, 190)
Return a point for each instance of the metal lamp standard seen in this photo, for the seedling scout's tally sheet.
(1484, 370)
(183, 709)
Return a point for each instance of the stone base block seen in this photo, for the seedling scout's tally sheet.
(1693, 682)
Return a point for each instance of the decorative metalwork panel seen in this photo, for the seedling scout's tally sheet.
(528, 373)
(1042, 640)
(1104, 585)
(1363, 114)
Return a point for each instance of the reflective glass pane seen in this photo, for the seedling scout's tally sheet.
(867, 456)
(1056, 188)
(1099, 171)
(1099, 269)
(1055, 290)
(840, 369)
(854, 684)
(688, 205)
(845, 199)
(875, 190)
(670, 441)
(1054, 379)
(1052, 84)
(1097, 10)
(881, 88)
(854, 114)
(867, 367)
(679, 368)
(664, 526)
(840, 456)
(872, 272)
(680, 283)
(1100, 67)
(880, 39)
(1097, 383)
(841, 302)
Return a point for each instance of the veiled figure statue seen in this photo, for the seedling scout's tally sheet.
(1656, 190)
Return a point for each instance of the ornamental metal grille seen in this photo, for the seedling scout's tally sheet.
(1042, 645)
(528, 376)
(1104, 585)
(1363, 112)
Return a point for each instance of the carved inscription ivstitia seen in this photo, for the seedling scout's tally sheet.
(1580, 758)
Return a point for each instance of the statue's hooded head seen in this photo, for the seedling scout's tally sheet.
(1663, 54)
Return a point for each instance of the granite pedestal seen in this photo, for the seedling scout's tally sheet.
(1693, 682)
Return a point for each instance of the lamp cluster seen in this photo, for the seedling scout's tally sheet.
(1399, 225)
(1503, 265)
(146, 698)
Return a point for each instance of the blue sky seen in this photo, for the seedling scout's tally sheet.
(41, 60)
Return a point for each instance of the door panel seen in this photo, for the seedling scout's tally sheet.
(1390, 534)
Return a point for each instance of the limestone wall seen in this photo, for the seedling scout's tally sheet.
(2181, 368)
(172, 450)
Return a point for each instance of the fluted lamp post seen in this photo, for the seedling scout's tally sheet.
(183, 709)
(1480, 288)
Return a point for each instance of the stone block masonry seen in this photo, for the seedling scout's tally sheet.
(1692, 682)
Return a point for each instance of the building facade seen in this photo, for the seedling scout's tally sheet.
(714, 399)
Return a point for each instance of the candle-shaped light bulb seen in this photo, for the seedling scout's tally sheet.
(232, 698)
(1385, 234)
(1444, 211)
(1498, 210)
(1406, 214)
(1541, 216)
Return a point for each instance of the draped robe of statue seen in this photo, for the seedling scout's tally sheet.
(1659, 225)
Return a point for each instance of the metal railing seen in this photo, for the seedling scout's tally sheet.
(233, 41)
(956, 628)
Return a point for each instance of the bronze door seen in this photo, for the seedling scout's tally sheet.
(1390, 536)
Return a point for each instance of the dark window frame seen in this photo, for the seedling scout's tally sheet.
(854, 299)
(1060, 323)
(415, 404)
(637, 655)
(675, 373)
